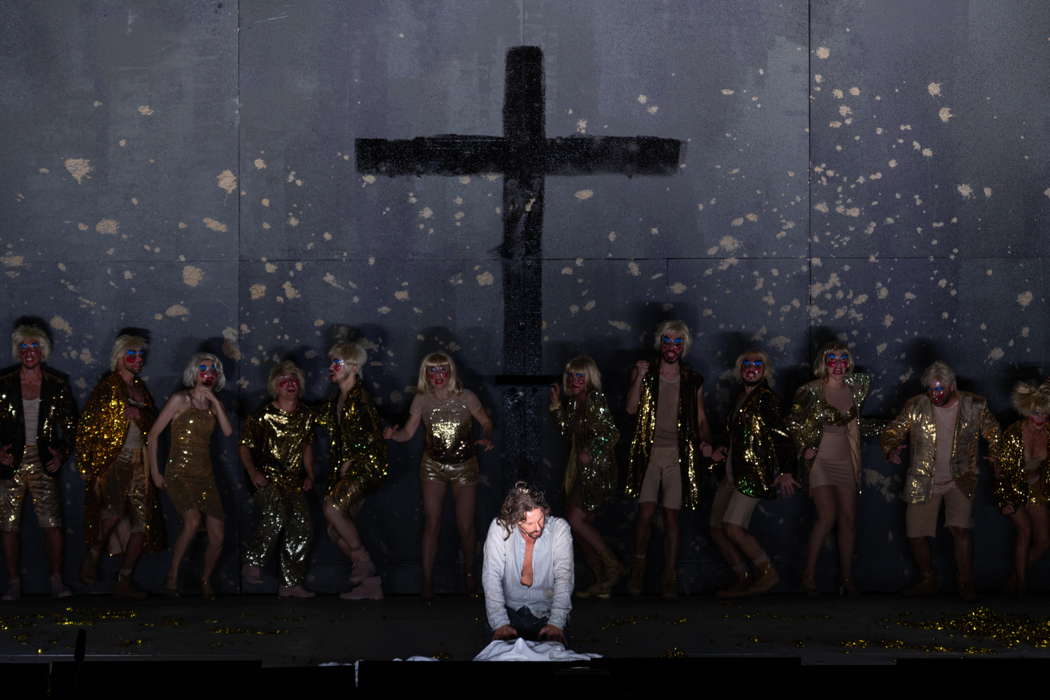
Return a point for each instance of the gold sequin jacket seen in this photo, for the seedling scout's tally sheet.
(917, 426)
(355, 436)
(56, 425)
(689, 437)
(754, 431)
(277, 440)
(104, 424)
(810, 412)
(1011, 482)
(590, 428)
(100, 438)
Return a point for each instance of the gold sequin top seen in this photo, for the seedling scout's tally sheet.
(810, 412)
(277, 440)
(104, 423)
(755, 429)
(191, 439)
(1012, 487)
(590, 428)
(689, 436)
(355, 435)
(917, 426)
(56, 424)
(449, 425)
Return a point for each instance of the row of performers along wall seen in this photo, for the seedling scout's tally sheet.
(671, 447)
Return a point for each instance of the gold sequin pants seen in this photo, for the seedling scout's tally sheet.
(43, 489)
(282, 510)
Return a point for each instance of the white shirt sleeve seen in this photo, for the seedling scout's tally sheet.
(492, 573)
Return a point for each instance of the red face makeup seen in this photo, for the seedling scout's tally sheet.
(577, 382)
(288, 385)
(134, 359)
(672, 346)
(939, 394)
(752, 369)
(337, 369)
(207, 374)
(837, 362)
(30, 353)
(438, 375)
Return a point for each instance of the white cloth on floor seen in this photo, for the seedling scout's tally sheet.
(522, 650)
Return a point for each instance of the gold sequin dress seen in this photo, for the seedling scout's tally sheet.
(589, 427)
(189, 474)
(1021, 479)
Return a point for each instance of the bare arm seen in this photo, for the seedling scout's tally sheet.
(405, 432)
(482, 417)
(220, 412)
(175, 405)
(634, 393)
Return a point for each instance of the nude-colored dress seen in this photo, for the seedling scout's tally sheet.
(191, 481)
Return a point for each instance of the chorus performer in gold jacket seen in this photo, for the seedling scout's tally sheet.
(110, 448)
(942, 428)
(581, 412)
(357, 454)
(1022, 479)
(825, 424)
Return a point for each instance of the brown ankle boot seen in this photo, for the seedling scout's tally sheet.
(766, 577)
(634, 586)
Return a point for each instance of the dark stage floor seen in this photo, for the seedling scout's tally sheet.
(870, 630)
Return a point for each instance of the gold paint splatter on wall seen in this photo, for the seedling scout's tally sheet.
(934, 89)
(192, 275)
(257, 291)
(176, 310)
(215, 225)
(226, 180)
(61, 324)
(145, 110)
(945, 113)
(1025, 298)
(12, 261)
(79, 168)
(584, 194)
(965, 191)
(823, 52)
(485, 279)
(259, 163)
(108, 226)
(290, 291)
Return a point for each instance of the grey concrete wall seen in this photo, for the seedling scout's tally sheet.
(870, 170)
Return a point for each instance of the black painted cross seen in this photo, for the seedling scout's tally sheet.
(524, 156)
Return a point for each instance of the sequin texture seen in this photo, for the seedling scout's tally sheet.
(589, 426)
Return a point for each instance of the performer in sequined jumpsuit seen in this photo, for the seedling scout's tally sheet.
(447, 412)
(583, 418)
(188, 478)
(37, 424)
(665, 454)
(1022, 479)
(754, 471)
(277, 453)
(942, 427)
(824, 422)
(110, 448)
(357, 455)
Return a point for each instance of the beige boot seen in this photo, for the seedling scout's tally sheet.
(613, 574)
(766, 577)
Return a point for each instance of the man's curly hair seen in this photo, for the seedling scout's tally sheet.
(521, 499)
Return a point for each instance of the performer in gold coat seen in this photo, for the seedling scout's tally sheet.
(942, 427)
(358, 460)
(583, 417)
(277, 453)
(1022, 479)
(119, 499)
(825, 423)
(37, 424)
(665, 460)
(447, 412)
(189, 478)
(754, 471)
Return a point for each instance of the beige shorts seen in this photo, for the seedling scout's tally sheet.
(664, 473)
(457, 474)
(731, 506)
(30, 477)
(920, 519)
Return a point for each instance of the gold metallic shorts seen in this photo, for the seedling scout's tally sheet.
(29, 476)
(123, 489)
(345, 492)
(458, 473)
